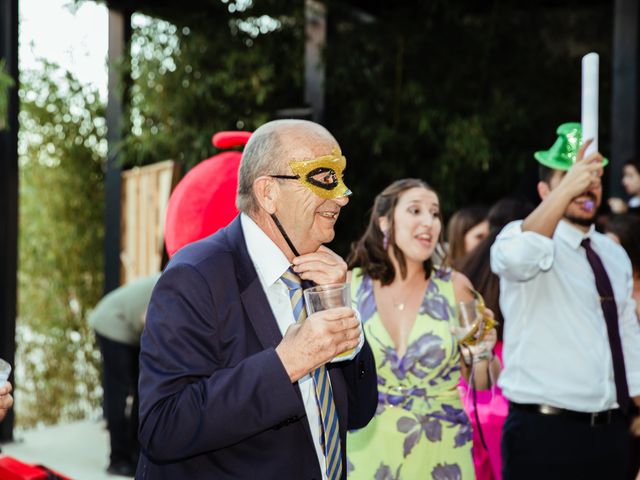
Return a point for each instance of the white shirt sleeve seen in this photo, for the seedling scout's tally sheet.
(630, 336)
(519, 256)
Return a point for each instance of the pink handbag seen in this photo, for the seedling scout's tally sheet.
(492, 409)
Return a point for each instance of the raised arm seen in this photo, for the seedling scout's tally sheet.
(519, 256)
(583, 175)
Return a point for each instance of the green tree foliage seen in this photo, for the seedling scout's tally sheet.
(458, 93)
(228, 69)
(61, 153)
(6, 82)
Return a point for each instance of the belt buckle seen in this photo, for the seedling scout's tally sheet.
(597, 415)
(548, 410)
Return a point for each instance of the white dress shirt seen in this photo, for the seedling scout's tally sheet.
(270, 263)
(556, 348)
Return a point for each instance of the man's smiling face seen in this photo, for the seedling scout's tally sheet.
(308, 219)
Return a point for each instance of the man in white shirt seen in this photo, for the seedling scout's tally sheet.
(566, 381)
(234, 382)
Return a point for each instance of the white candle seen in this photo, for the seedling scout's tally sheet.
(590, 73)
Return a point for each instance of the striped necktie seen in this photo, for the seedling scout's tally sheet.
(330, 432)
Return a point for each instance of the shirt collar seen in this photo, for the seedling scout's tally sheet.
(269, 261)
(572, 235)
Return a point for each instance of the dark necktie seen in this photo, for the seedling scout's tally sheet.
(610, 311)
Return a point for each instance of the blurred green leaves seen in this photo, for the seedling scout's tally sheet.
(227, 70)
(61, 152)
(6, 82)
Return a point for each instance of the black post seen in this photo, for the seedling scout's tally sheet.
(624, 108)
(119, 36)
(315, 13)
(9, 198)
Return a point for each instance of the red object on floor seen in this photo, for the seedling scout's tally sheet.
(205, 199)
(13, 469)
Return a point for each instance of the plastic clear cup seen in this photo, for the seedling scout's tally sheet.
(324, 297)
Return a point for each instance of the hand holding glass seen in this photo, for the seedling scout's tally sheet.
(472, 322)
(324, 297)
(5, 370)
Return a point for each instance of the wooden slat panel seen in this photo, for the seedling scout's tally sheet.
(146, 192)
(142, 250)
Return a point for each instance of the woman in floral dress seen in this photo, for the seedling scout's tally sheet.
(420, 430)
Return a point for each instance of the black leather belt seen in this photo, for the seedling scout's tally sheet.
(597, 418)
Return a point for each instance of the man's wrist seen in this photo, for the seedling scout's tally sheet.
(289, 366)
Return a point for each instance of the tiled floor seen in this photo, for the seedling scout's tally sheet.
(78, 450)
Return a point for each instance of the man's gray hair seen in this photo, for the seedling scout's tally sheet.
(264, 154)
(259, 157)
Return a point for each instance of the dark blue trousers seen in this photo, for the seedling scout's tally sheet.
(119, 381)
(549, 447)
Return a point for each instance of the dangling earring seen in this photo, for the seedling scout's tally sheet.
(385, 240)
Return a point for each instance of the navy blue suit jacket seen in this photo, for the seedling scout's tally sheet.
(215, 399)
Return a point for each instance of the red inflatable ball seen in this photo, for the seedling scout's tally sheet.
(205, 199)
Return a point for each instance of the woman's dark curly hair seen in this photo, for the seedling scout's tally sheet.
(368, 252)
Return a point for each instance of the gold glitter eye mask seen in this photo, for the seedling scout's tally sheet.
(321, 175)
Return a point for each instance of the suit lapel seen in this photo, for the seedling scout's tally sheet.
(260, 315)
(252, 294)
(254, 299)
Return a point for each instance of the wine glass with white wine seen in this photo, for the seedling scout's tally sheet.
(472, 321)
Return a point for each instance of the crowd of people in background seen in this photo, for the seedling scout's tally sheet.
(467, 227)
(631, 184)
(470, 234)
